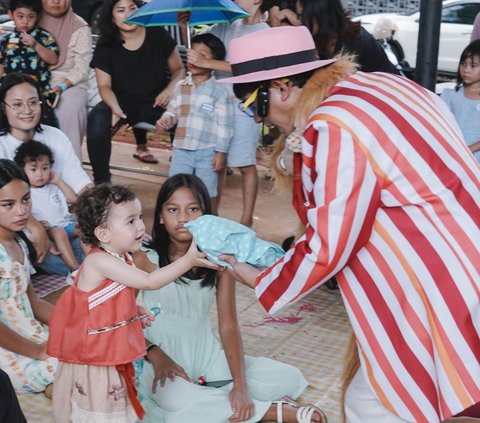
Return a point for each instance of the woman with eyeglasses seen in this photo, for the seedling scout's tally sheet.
(20, 114)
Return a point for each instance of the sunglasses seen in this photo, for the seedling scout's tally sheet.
(261, 97)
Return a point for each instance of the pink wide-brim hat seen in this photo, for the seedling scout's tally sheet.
(272, 53)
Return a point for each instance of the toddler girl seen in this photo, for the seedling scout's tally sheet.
(464, 99)
(95, 330)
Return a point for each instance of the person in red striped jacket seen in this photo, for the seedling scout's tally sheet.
(390, 197)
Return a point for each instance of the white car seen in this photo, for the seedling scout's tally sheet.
(455, 32)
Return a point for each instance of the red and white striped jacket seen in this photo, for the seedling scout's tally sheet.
(392, 204)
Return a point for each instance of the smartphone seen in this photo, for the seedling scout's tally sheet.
(218, 383)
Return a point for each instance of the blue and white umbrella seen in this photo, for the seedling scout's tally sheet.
(164, 12)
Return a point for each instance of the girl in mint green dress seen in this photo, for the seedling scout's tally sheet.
(23, 317)
(182, 351)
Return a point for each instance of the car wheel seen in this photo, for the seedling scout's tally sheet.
(95, 20)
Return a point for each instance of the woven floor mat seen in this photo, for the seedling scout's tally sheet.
(45, 284)
(312, 334)
(36, 407)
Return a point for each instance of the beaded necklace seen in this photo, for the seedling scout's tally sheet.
(123, 258)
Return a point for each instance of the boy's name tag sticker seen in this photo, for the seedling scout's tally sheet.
(55, 199)
(207, 107)
(478, 107)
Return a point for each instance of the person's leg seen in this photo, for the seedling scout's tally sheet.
(10, 410)
(361, 404)
(242, 154)
(62, 241)
(99, 142)
(222, 178)
(142, 152)
(268, 381)
(249, 190)
(184, 401)
(140, 138)
(203, 169)
(78, 247)
(182, 162)
(71, 113)
(142, 112)
(54, 264)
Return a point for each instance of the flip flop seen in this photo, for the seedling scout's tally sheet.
(145, 156)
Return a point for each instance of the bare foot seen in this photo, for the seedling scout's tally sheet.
(49, 391)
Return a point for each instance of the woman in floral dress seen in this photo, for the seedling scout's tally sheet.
(23, 316)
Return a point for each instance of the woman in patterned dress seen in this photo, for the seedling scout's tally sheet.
(23, 316)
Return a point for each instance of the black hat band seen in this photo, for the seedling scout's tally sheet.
(274, 62)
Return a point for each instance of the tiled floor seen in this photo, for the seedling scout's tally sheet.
(312, 334)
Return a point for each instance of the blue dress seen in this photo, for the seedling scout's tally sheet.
(184, 333)
(467, 114)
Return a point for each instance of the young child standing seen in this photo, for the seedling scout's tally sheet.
(50, 198)
(95, 329)
(23, 316)
(242, 152)
(28, 48)
(464, 99)
(184, 352)
(203, 113)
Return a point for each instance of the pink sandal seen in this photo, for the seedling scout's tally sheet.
(304, 414)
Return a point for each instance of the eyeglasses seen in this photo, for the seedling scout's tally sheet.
(247, 106)
(20, 106)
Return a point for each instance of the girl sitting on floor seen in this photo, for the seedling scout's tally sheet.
(183, 353)
(23, 316)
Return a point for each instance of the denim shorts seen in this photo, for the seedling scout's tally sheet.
(246, 135)
(196, 162)
(55, 264)
(70, 228)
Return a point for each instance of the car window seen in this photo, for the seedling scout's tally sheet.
(460, 13)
